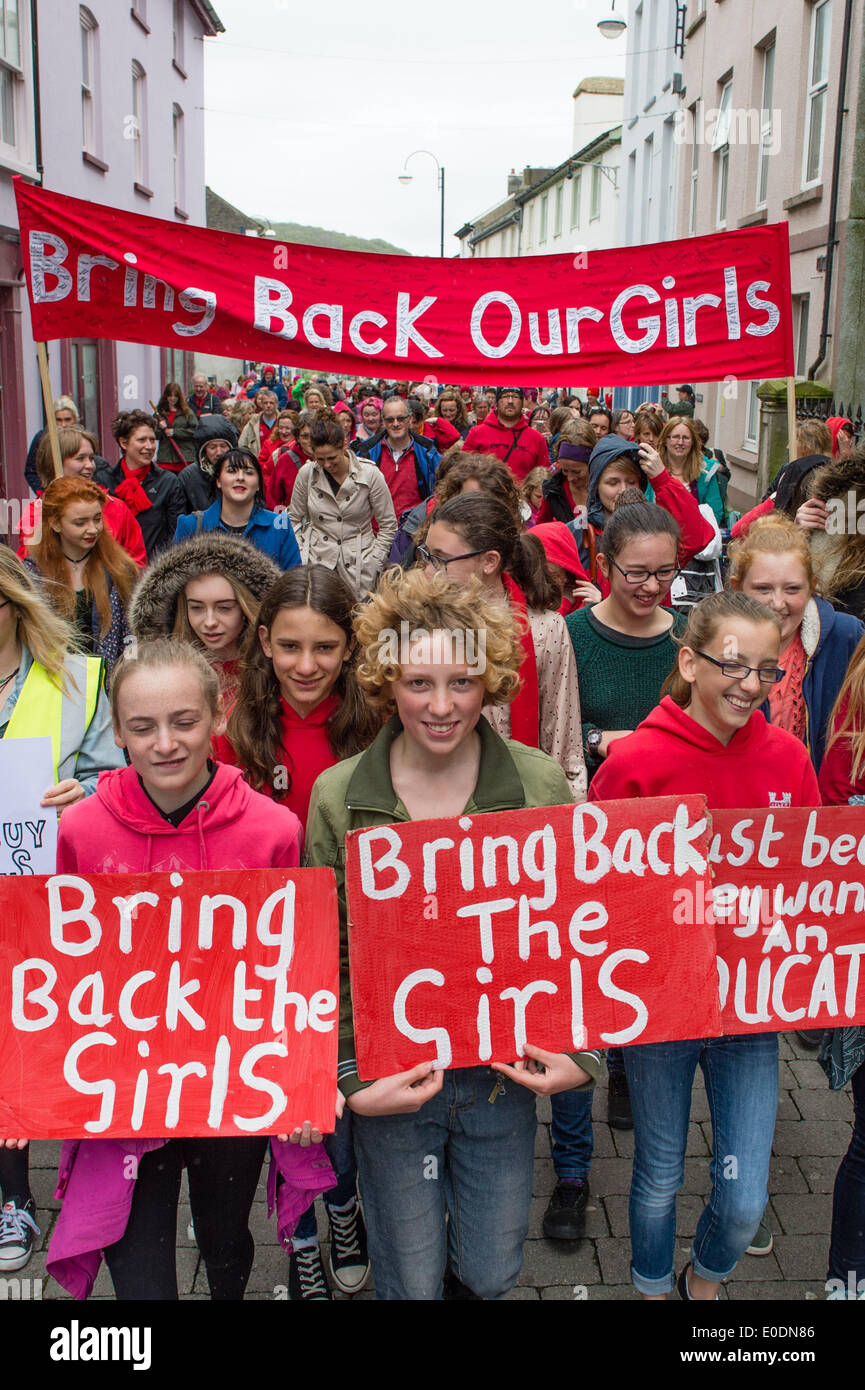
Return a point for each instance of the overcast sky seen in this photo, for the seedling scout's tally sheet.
(311, 110)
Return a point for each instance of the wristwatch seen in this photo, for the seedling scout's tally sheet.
(593, 740)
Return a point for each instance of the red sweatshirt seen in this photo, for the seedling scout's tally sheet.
(671, 754)
(521, 448)
(118, 830)
(304, 752)
(837, 787)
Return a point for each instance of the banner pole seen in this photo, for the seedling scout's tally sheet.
(50, 421)
(791, 418)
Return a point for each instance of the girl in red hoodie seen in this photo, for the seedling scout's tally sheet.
(707, 735)
(171, 809)
(299, 711)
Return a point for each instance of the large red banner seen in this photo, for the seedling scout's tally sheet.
(168, 1004)
(702, 308)
(599, 926)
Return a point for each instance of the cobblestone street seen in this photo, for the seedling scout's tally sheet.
(812, 1132)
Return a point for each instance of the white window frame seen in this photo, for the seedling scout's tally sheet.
(530, 226)
(178, 9)
(766, 108)
(803, 309)
(695, 173)
(816, 91)
(178, 155)
(11, 77)
(752, 416)
(559, 210)
(139, 112)
(576, 197)
(596, 192)
(89, 82)
(721, 150)
(545, 219)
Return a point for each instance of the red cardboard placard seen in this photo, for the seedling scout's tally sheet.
(554, 926)
(167, 1004)
(789, 912)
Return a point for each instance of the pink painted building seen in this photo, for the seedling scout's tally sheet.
(100, 101)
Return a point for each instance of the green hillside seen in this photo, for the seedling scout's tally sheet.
(340, 241)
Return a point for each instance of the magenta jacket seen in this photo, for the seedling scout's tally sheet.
(119, 830)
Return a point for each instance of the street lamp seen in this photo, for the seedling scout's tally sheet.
(405, 178)
(612, 25)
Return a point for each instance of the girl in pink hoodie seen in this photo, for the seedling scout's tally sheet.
(172, 809)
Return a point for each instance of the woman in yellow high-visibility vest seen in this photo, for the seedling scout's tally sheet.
(47, 689)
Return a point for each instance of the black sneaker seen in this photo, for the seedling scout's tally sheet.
(17, 1231)
(306, 1278)
(565, 1217)
(619, 1102)
(349, 1261)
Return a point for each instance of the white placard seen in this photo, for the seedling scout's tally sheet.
(28, 831)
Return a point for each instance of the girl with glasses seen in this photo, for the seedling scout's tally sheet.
(707, 736)
(773, 564)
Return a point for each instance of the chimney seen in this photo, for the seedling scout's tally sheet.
(515, 183)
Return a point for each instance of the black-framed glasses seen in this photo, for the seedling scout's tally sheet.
(665, 575)
(441, 562)
(737, 671)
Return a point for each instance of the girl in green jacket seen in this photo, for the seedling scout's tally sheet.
(436, 756)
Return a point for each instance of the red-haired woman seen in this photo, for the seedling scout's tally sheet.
(87, 577)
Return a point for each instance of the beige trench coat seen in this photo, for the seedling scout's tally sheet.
(336, 529)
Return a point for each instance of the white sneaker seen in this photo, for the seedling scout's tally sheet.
(17, 1230)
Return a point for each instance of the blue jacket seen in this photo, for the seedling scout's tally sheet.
(830, 639)
(275, 386)
(270, 532)
(426, 458)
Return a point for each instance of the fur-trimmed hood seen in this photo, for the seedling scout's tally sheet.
(153, 607)
(837, 478)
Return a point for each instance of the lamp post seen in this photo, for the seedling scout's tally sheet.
(405, 178)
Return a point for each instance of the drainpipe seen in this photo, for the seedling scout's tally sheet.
(833, 210)
(37, 118)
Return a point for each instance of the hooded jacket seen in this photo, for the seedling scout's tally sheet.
(696, 532)
(834, 483)
(196, 480)
(273, 385)
(269, 532)
(670, 754)
(358, 793)
(835, 424)
(153, 606)
(119, 830)
(520, 446)
(829, 639)
(785, 488)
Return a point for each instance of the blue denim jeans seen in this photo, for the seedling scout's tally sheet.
(461, 1158)
(340, 1150)
(741, 1075)
(847, 1248)
(572, 1134)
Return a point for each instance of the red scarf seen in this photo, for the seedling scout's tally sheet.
(130, 490)
(525, 708)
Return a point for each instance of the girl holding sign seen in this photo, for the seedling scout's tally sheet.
(299, 711)
(88, 578)
(707, 736)
(171, 809)
(437, 756)
(47, 690)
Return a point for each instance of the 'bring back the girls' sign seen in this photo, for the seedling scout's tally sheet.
(168, 1004)
(599, 926)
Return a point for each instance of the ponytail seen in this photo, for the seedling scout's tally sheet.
(486, 523)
